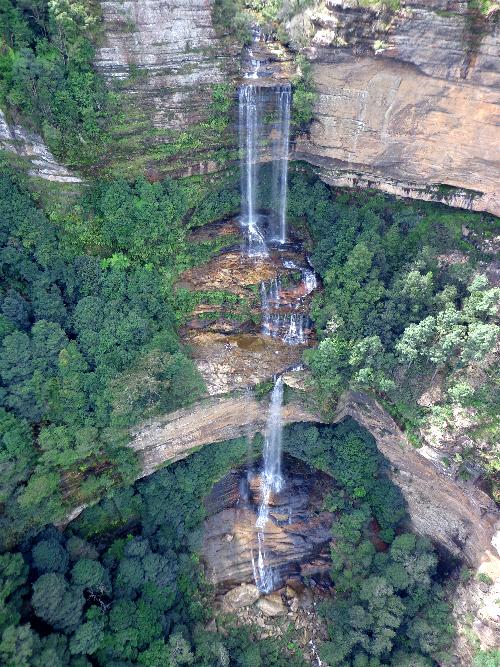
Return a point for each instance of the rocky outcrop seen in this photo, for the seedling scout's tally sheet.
(407, 102)
(296, 536)
(231, 362)
(477, 615)
(225, 340)
(30, 148)
(452, 512)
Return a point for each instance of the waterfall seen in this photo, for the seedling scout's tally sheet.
(295, 334)
(261, 138)
(271, 482)
(309, 280)
(273, 441)
(248, 113)
(280, 148)
(290, 327)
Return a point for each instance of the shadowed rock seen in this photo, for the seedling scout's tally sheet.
(296, 536)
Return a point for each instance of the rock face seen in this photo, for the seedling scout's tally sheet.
(230, 362)
(479, 601)
(30, 147)
(407, 103)
(240, 597)
(454, 513)
(225, 340)
(164, 57)
(296, 537)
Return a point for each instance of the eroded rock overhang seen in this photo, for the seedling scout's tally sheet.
(455, 514)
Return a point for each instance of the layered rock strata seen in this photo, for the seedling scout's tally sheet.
(297, 534)
(177, 434)
(164, 58)
(454, 513)
(407, 102)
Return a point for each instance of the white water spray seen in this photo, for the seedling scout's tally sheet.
(249, 107)
(271, 482)
(280, 149)
(258, 98)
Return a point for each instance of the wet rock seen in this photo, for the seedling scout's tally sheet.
(229, 362)
(296, 533)
(305, 599)
(242, 596)
(272, 605)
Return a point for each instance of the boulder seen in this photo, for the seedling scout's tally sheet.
(242, 596)
(272, 605)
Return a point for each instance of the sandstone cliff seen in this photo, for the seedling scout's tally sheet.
(297, 535)
(455, 514)
(407, 101)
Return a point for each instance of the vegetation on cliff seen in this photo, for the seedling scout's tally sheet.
(388, 606)
(47, 76)
(406, 305)
(88, 335)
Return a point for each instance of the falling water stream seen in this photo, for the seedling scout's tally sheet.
(264, 134)
(271, 482)
(261, 139)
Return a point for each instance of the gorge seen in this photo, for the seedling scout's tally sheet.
(249, 333)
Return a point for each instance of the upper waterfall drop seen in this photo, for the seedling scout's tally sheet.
(263, 140)
(281, 147)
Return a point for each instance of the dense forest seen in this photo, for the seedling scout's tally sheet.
(88, 309)
(406, 300)
(91, 346)
(123, 583)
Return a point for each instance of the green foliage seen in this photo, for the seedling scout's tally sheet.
(47, 75)
(387, 5)
(57, 602)
(304, 95)
(231, 19)
(396, 310)
(487, 658)
(50, 556)
(89, 347)
(13, 575)
(388, 606)
(136, 599)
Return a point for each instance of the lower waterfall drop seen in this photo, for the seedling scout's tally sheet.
(271, 482)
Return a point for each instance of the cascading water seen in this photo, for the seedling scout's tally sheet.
(271, 482)
(249, 107)
(295, 334)
(277, 321)
(259, 98)
(280, 162)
